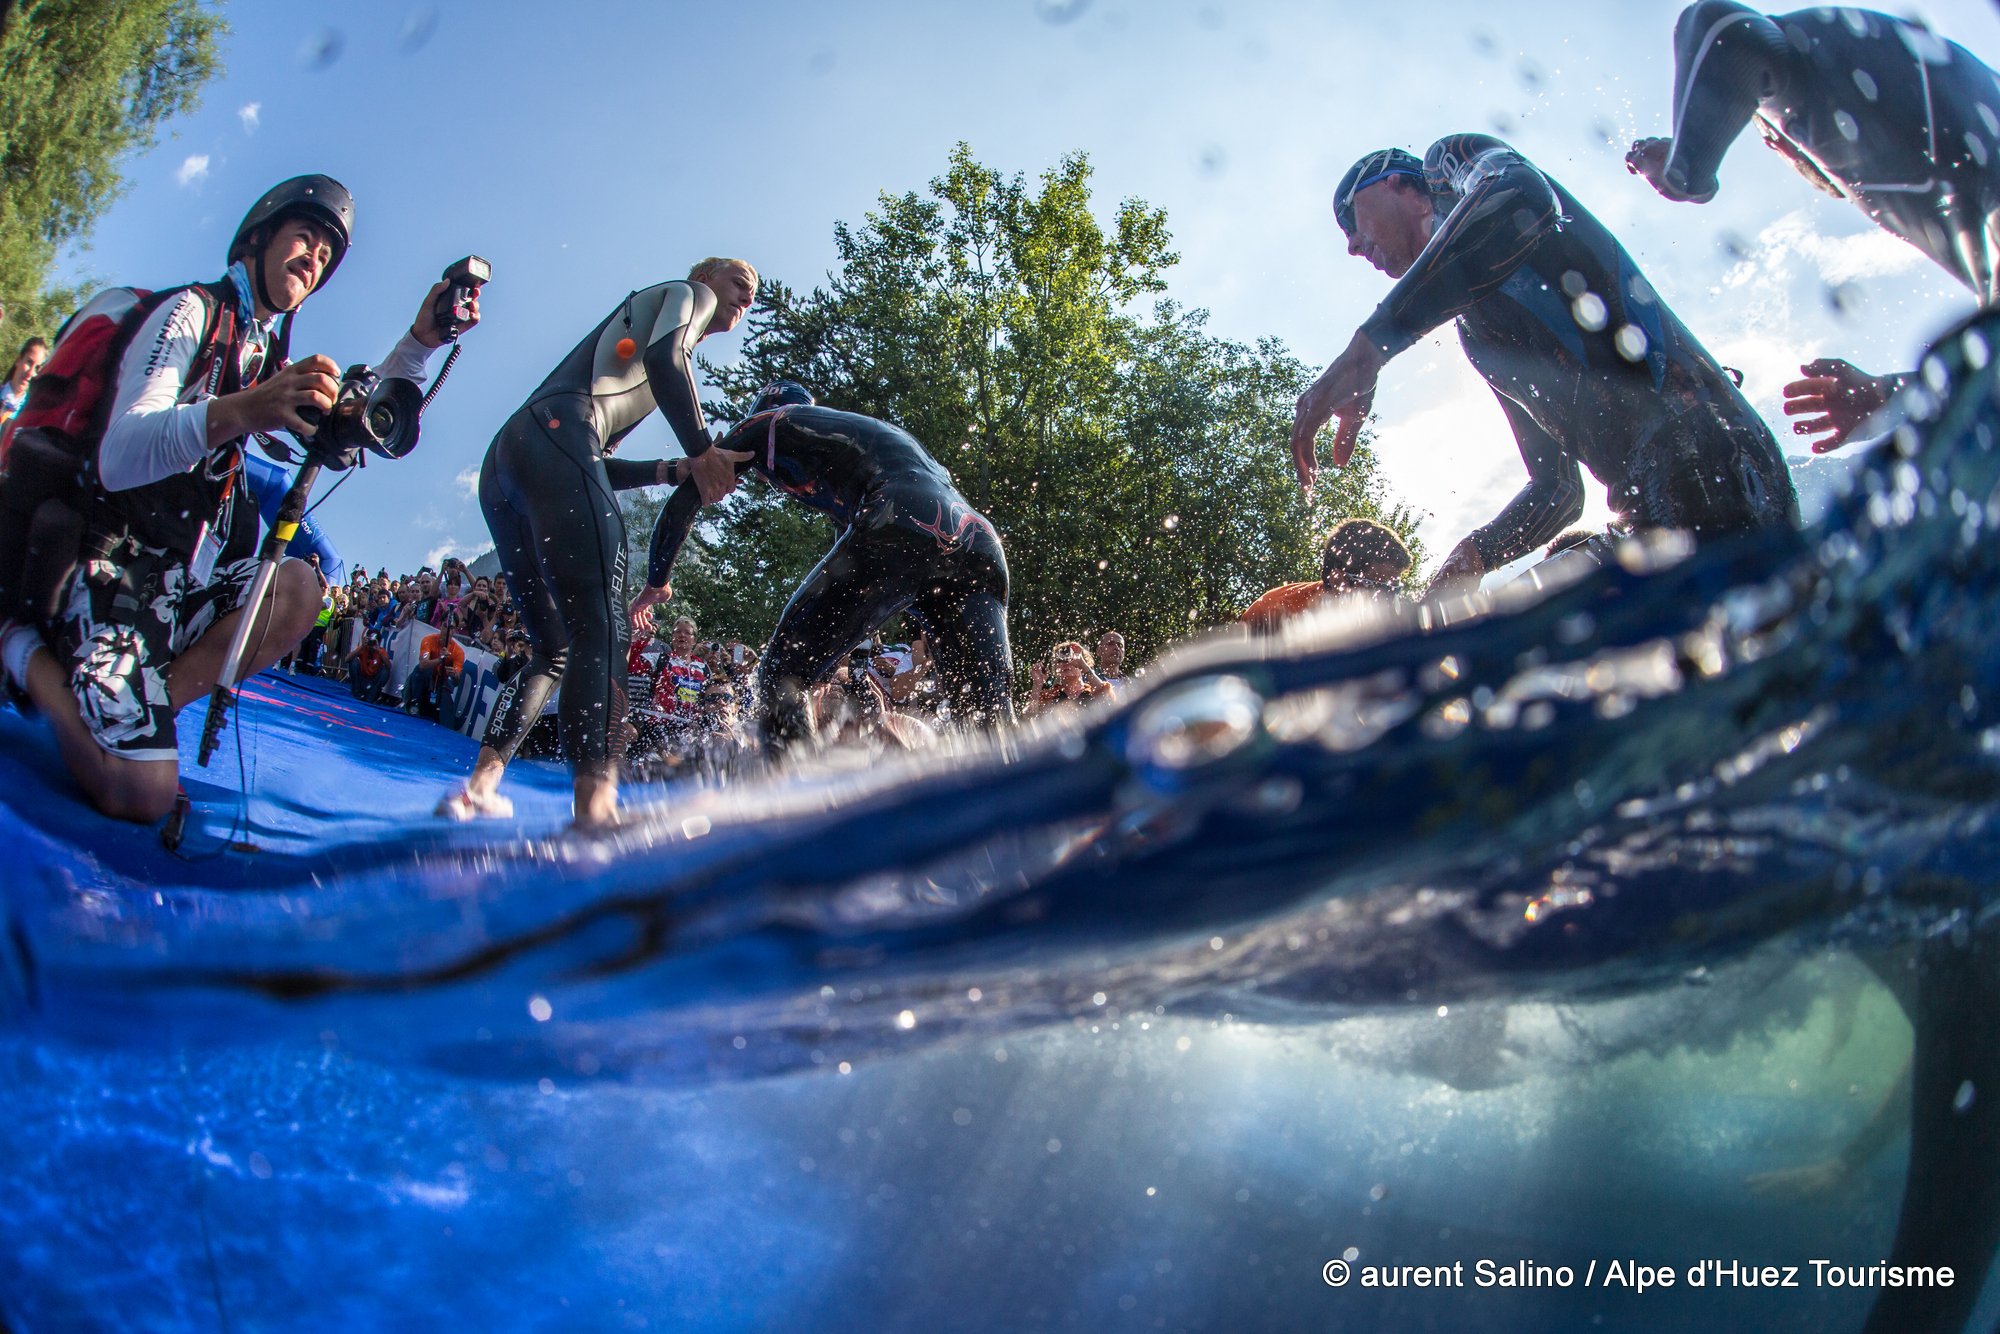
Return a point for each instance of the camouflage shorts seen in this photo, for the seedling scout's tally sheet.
(122, 627)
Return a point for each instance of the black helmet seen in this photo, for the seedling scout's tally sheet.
(321, 198)
(782, 394)
(1377, 166)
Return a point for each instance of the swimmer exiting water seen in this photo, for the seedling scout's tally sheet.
(1588, 363)
(546, 489)
(908, 540)
(1874, 109)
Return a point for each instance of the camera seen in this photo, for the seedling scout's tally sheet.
(370, 413)
(454, 304)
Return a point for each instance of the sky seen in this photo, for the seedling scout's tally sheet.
(589, 150)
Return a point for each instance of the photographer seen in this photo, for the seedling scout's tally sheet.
(138, 614)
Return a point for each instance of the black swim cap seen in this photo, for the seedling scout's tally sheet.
(1378, 166)
(782, 394)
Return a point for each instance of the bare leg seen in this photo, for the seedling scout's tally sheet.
(143, 790)
(596, 800)
(287, 617)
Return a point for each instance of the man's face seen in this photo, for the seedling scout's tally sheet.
(1392, 224)
(295, 259)
(1111, 652)
(683, 641)
(734, 292)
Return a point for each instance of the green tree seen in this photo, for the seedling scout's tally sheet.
(83, 84)
(1134, 465)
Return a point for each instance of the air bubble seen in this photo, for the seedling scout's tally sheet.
(1197, 723)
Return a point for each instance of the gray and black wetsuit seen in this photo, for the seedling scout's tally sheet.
(907, 540)
(1590, 366)
(546, 489)
(1898, 120)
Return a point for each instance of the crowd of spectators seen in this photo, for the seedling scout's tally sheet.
(689, 697)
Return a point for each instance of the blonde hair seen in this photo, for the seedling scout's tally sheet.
(715, 266)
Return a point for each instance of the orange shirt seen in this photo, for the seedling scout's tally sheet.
(454, 656)
(1282, 603)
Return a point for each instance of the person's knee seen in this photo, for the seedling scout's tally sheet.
(140, 791)
(295, 599)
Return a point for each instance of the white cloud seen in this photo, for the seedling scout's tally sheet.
(1837, 259)
(452, 547)
(468, 481)
(250, 113)
(193, 169)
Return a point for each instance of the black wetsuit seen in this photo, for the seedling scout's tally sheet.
(907, 539)
(1904, 123)
(546, 490)
(1589, 364)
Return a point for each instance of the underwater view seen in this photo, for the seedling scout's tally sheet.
(1597, 935)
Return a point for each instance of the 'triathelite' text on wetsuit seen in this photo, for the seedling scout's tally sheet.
(1588, 362)
(546, 490)
(1902, 122)
(907, 539)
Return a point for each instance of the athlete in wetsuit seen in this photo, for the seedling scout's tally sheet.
(1589, 365)
(907, 539)
(546, 489)
(1871, 108)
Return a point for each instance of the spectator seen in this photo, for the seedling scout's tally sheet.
(678, 684)
(1360, 556)
(27, 365)
(1110, 670)
(368, 670)
(433, 682)
(1073, 684)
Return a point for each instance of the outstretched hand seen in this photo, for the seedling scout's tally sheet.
(715, 471)
(1647, 159)
(642, 606)
(1346, 390)
(1833, 400)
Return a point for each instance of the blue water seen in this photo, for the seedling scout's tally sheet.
(1543, 930)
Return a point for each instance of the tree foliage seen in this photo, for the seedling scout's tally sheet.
(1134, 465)
(83, 83)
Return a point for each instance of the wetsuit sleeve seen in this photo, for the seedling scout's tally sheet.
(1550, 502)
(1504, 206)
(670, 532)
(684, 315)
(630, 474)
(152, 434)
(1727, 59)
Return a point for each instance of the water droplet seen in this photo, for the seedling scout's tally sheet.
(1378, 1193)
(1213, 161)
(540, 1009)
(1977, 147)
(962, 1116)
(1171, 522)
(1630, 340)
(1866, 83)
(1961, 1101)
(907, 1020)
(1060, 11)
(1846, 124)
(1196, 723)
(1574, 284)
(419, 28)
(1589, 313)
(320, 50)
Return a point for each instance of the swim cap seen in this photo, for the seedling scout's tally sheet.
(1378, 166)
(782, 394)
